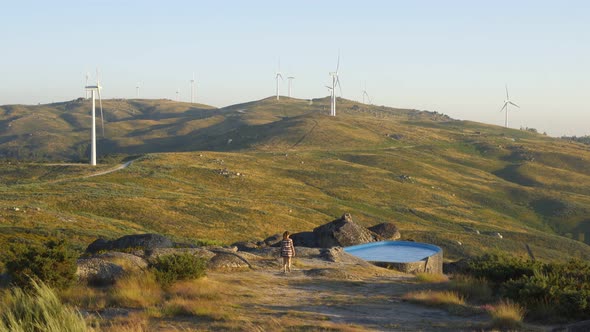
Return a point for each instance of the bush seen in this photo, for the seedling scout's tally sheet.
(507, 316)
(53, 263)
(554, 291)
(171, 268)
(498, 268)
(38, 310)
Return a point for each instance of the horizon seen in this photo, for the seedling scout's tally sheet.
(452, 58)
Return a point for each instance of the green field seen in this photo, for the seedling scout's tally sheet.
(251, 170)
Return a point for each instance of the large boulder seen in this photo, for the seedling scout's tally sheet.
(304, 239)
(386, 230)
(228, 261)
(136, 241)
(98, 271)
(342, 232)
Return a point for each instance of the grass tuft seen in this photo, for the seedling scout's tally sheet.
(435, 298)
(431, 278)
(474, 289)
(38, 310)
(137, 291)
(507, 315)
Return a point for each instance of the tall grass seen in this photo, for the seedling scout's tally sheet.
(40, 309)
(474, 289)
(507, 315)
(431, 278)
(436, 298)
(137, 291)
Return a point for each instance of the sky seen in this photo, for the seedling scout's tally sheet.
(454, 57)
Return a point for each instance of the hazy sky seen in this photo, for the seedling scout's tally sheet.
(448, 56)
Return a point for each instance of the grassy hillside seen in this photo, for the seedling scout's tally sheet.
(258, 168)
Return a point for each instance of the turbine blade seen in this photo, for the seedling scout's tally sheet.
(339, 86)
(514, 104)
(506, 86)
(338, 63)
(503, 107)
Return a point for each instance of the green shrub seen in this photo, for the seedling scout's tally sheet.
(53, 263)
(171, 268)
(39, 309)
(498, 268)
(554, 291)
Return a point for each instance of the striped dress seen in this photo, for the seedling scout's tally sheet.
(287, 249)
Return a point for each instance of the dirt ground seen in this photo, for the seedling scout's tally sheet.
(325, 296)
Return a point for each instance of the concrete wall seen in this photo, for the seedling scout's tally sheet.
(432, 264)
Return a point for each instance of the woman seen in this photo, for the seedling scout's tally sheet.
(287, 251)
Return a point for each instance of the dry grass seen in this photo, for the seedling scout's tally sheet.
(435, 298)
(137, 291)
(202, 288)
(135, 322)
(507, 315)
(86, 297)
(431, 278)
(209, 310)
(474, 289)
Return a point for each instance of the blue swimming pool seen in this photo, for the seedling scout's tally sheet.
(393, 251)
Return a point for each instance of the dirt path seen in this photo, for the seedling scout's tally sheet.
(118, 168)
(337, 297)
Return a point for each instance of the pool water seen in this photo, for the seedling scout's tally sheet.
(393, 251)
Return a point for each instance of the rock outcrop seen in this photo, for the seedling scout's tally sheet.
(142, 241)
(386, 231)
(98, 271)
(342, 232)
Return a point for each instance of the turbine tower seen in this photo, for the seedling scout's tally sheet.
(335, 81)
(94, 90)
(193, 89)
(366, 94)
(505, 107)
(277, 79)
(290, 78)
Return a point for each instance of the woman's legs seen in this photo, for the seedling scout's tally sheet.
(285, 263)
(289, 263)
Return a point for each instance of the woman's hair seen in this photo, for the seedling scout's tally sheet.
(286, 235)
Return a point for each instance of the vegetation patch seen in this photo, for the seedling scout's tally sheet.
(53, 263)
(171, 268)
(38, 309)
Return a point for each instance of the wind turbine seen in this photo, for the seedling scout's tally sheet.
(177, 94)
(505, 107)
(137, 90)
(290, 78)
(366, 94)
(94, 90)
(277, 78)
(193, 89)
(335, 81)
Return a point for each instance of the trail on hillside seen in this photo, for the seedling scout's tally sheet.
(118, 168)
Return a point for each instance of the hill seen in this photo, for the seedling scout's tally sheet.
(254, 169)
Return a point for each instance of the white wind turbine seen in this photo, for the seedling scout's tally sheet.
(137, 90)
(366, 94)
(193, 89)
(277, 79)
(335, 81)
(505, 107)
(290, 78)
(94, 90)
